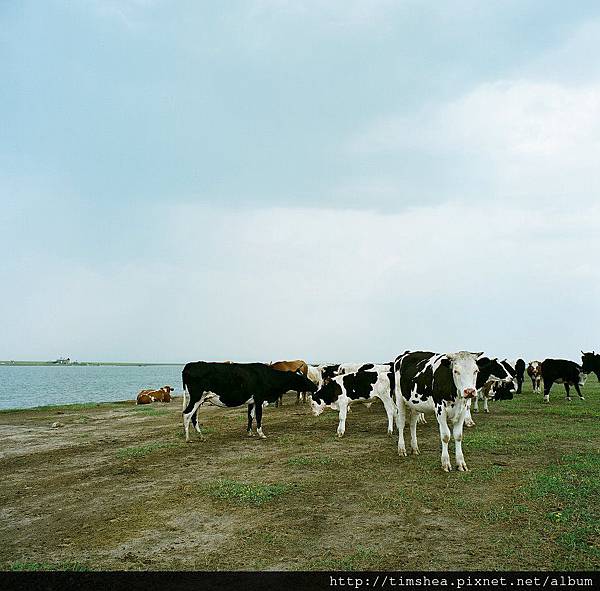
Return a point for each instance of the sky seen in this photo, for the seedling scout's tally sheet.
(335, 180)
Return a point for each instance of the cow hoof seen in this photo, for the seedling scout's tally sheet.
(569, 399)
(249, 433)
(402, 452)
(340, 435)
(416, 452)
(447, 467)
(471, 424)
(486, 410)
(262, 436)
(462, 467)
(581, 398)
(390, 433)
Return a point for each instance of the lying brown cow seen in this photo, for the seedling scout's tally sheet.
(297, 366)
(161, 395)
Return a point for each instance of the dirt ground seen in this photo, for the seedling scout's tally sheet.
(115, 487)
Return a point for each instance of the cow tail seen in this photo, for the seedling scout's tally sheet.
(185, 401)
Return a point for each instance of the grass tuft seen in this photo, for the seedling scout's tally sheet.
(244, 493)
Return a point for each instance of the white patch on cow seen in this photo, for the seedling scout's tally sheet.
(260, 433)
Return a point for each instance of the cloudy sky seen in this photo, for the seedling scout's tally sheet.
(325, 179)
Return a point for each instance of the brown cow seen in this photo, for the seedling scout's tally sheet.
(534, 371)
(297, 366)
(161, 395)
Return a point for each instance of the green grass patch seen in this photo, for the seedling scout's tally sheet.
(567, 494)
(143, 450)
(246, 494)
(47, 566)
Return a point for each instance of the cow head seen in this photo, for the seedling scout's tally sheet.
(324, 396)
(590, 362)
(167, 389)
(299, 382)
(464, 372)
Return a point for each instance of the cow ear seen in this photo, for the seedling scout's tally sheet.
(582, 352)
(479, 354)
(450, 356)
(446, 361)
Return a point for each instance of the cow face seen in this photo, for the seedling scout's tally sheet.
(582, 378)
(590, 362)
(324, 396)
(464, 372)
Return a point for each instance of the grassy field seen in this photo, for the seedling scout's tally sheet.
(114, 486)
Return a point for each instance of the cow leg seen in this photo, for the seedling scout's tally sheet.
(390, 410)
(469, 422)
(440, 414)
(476, 403)
(400, 421)
(259, 410)
(457, 433)
(422, 418)
(195, 422)
(187, 417)
(250, 417)
(547, 391)
(567, 390)
(485, 404)
(576, 386)
(414, 418)
(519, 386)
(343, 413)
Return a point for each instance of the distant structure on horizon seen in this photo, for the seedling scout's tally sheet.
(62, 361)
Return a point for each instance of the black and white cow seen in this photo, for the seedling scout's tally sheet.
(534, 371)
(520, 374)
(590, 363)
(236, 384)
(362, 386)
(491, 374)
(564, 372)
(443, 384)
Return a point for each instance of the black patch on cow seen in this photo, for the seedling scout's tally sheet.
(328, 394)
(490, 368)
(509, 368)
(415, 370)
(330, 371)
(359, 385)
(366, 367)
(503, 391)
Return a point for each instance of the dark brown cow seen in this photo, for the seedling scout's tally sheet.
(297, 366)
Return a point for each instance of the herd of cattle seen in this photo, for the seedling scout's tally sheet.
(415, 383)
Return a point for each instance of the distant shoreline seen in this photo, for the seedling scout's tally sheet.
(80, 363)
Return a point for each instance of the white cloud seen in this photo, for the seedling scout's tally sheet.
(513, 138)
